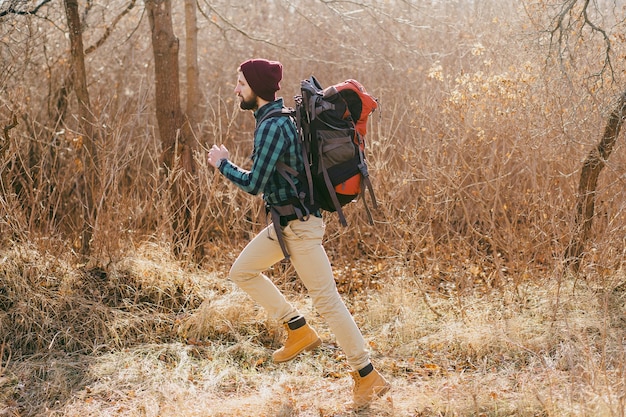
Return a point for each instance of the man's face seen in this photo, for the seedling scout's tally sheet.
(246, 95)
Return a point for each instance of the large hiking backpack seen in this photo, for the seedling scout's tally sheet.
(333, 122)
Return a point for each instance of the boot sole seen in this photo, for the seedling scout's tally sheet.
(309, 347)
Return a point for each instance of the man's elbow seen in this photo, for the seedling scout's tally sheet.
(254, 190)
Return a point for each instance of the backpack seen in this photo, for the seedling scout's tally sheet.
(331, 124)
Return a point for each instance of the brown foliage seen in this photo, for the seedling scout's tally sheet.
(474, 152)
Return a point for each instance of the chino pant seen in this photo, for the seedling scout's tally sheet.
(304, 244)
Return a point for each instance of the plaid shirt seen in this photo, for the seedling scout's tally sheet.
(275, 139)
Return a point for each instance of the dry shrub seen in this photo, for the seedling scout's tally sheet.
(41, 382)
(49, 304)
(227, 316)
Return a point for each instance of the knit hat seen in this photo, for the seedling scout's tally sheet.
(263, 77)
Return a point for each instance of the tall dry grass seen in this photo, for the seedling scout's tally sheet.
(459, 286)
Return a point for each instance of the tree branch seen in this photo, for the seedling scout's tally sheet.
(7, 141)
(561, 25)
(110, 28)
(607, 42)
(13, 10)
(236, 28)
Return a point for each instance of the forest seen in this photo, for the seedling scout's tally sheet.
(491, 283)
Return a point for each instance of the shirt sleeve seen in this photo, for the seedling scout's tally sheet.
(270, 141)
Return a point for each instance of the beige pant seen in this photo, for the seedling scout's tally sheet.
(304, 244)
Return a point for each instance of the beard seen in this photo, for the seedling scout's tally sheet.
(249, 104)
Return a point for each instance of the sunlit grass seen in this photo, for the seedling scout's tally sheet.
(544, 350)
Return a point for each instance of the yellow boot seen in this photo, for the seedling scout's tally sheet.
(367, 388)
(300, 337)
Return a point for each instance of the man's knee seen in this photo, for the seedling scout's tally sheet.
(239, 273)
(327, 301)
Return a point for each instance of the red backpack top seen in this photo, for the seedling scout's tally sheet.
(359, 106)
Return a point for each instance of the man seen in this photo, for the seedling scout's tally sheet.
(300, 231)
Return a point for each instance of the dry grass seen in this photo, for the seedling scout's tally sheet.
(542, 350)
(459, 288)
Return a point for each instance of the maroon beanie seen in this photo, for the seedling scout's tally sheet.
(263, 77)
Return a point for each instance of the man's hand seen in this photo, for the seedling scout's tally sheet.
(216, 154)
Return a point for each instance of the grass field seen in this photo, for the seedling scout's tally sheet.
(160, 340)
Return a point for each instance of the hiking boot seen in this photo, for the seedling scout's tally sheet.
(368, 388)
(300, 337)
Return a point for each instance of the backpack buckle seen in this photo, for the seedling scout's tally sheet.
(363, 170)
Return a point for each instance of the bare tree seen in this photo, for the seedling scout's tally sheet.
(174, 129)
(87, 178)
(592, 167)
(191, 59)
(572, 19)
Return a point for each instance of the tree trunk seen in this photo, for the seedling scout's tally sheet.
(87, 178)
(191, 59)
(167, 88)
(176, 137)
(592, 167)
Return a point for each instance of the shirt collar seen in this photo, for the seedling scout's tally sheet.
(276, 104)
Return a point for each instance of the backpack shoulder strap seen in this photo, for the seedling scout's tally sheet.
(283, 169)
(285, 111)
